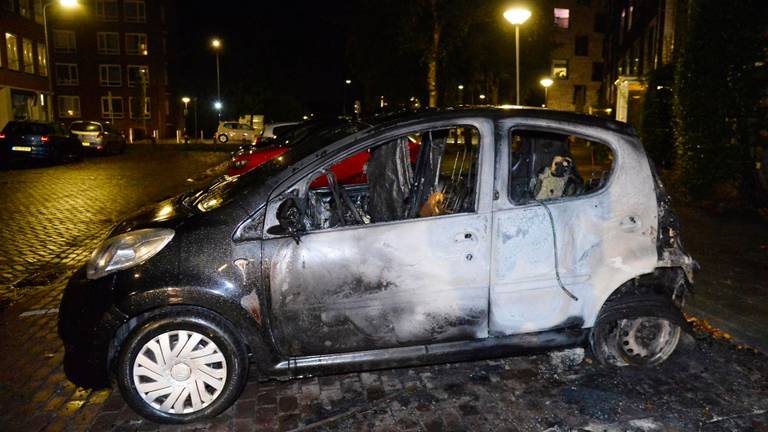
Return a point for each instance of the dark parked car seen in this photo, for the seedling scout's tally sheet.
(33, 140)
(98, 137)
(511, 230)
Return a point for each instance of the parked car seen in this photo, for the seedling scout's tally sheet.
(237, 132)
(254, 155)
(98, 137)
(34, 140)
(273, 130)
(512, 230)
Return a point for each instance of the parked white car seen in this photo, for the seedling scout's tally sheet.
(237, 132)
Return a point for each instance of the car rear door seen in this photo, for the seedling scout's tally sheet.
(596, 239)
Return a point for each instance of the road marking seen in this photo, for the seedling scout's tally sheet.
(39, 312)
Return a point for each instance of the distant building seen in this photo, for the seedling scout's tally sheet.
(24, 91)
(577, 64)
(113, 61)
(643, 36)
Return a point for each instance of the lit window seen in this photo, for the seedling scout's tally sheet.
(136, 44)
(28, 52)
(560, 69)
(138, 74)
(67, 74)
(137, 109)
(69, 106)
(42, 60)
(106, 10)
(135, 11)
(12, 51)
(108, 42)
(562, 18)
(110, 75)
(112, 107)
(64, 41)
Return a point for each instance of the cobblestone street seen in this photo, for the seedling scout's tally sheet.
(52, 218)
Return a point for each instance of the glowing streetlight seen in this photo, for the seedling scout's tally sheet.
(546, 82)
(348, 81)
(482, 98)
(218, 105)
(461, 93)
(216, 45)
(517, 16)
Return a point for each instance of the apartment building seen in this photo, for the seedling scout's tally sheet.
(112, 60)
(577, 62)
(643, 37)
(24, 90)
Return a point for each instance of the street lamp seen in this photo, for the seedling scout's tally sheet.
(216, 45)
(347, 83)
(185, 100)
(517, 16)
(69, 4)
(482, 99)
(546, 82)
(461, 93)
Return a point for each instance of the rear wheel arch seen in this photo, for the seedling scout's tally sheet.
(656, 298)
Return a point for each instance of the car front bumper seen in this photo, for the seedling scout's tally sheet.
(88, 321)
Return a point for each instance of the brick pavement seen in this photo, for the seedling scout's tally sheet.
(710, 385)
(50, 215)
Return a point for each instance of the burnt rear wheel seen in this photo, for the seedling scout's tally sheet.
(636, 330)
(638, 341)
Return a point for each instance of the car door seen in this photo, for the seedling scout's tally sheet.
(383, 284)
(597, 238)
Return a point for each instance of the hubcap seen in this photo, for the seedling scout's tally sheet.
(179, 372)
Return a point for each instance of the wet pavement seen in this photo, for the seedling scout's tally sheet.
(53, 217)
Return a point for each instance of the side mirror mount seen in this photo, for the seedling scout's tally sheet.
(289, 219)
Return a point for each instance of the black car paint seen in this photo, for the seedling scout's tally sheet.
(209, 264)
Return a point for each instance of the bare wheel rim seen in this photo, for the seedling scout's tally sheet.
(179, 372)
(647, 340)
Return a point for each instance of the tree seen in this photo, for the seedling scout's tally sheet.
(717, 90)
(656, 127)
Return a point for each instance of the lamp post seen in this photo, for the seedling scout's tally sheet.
(185, 100)
(546, 82)
(69, 4)
(347, 83)
(216, 45)
(517, 16)
(461, 94)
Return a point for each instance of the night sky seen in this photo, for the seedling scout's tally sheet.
(292, 51)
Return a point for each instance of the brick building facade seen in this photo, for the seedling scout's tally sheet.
(111, 55)
(577, 60)
(24, 90)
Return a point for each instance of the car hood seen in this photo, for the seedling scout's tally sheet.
(169, 213)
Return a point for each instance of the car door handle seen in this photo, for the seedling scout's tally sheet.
(465, 237)
(630, 224)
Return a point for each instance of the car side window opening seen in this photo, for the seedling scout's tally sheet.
(423, 174)
(548, 166)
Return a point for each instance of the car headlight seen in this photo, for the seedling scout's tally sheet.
(127, 250)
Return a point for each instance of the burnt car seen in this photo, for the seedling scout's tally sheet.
(511, 230)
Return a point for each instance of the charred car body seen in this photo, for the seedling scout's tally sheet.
(470, 233)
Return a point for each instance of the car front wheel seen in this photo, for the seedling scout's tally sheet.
(182, 368)
(223, 138)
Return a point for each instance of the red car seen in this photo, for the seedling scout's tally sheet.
(350, 171)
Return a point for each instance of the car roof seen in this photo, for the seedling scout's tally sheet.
(497, 113)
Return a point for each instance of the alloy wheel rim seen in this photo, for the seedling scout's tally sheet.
(179, 372)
